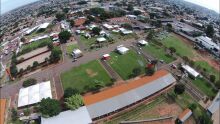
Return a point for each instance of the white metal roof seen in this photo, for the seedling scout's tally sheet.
(122, 100)
(122, 49)
(190, 70)
(143, 42)
(34, 94)
(215, 104)
(77, 51)
(101, 39)
(39, 38)
(44, 25)
(79, 116)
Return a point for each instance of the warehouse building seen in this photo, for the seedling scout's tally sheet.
(120, 97)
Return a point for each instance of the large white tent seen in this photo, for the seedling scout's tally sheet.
(34, 94)
(78, 116)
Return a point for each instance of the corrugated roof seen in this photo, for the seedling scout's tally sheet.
(215, 104)
(185, 115)
(121, 96)
(2, 110)
(90, 99)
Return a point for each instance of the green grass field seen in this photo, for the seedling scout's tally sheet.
(70, 48)
(209, 69)
(84, 75)
(205, 87)
(88, 42)
(124, 64)
(120, 37)
(158, 52)
(182, 49)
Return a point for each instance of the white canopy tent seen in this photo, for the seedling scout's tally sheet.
(34, 94)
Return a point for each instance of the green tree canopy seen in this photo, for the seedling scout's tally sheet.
(64, 36)
(96, 30)
(29, 82)
(179, 89)
(55, 54)
(69, 92)
(60, 16)
(49, 107)
(209, 31)
(74, 102)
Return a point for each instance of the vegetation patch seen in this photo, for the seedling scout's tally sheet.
(87, 77)
(125, 64)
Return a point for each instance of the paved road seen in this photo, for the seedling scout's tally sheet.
(55, 71)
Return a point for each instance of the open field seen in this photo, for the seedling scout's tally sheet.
(205, 87)
(124, 64)
(158, 52)
(88, 42)
(40, 59)
(210, 70)
(84, 76)
(182, 49)
(160, 107)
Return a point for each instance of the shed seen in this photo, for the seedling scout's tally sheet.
(77, 53)
(121, 49)
(101, 39)
(192, 72)
(184, 115)
(142, 42)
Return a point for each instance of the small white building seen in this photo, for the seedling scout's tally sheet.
(107, 26)
(43, 26)
(125, 31)
(192, 72)
(101, 39)
(77, 53)
(208, 43)
(131, 16)
(142, 42)
(122, 50)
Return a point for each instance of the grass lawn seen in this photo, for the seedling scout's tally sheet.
(137, 113)
(124, 64)
(209, 69)
(205, 87)
(71, 47)
(185, 100)
(158, 52)
(88, 42)
(182, 49)
(35, 44)
(84, 75)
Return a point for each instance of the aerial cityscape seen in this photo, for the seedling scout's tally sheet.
(109, 62)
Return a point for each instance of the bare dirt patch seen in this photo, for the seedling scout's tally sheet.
(91, 73)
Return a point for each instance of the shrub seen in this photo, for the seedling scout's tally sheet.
(29, 82)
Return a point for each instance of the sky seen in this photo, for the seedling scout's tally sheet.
(7, 5)
(211, 4)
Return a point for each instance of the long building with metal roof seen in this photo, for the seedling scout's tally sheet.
(119, 97)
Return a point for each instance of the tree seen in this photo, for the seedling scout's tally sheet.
(74, 102)
(130, 7)
(97, 85)
(96, 30)
(136, 71)
(193, 106)
(50, 46)
(136, 12)
(14, 114)
(69, 92)
(35, 64)
(49, 107)
(66, 10)
(172, 50)
(209, 31)
(217, 84)
(150, 70)
(127, 26)
(150, 35)
(64, 36)
(205, 119)
(212, 78)
(169, 27)
(13, 70)
(55, 54)
(23, 39)
(29, 82)
(181, 20)
(72, 23)
(179, 88)
(60, 16)
(26, 112)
